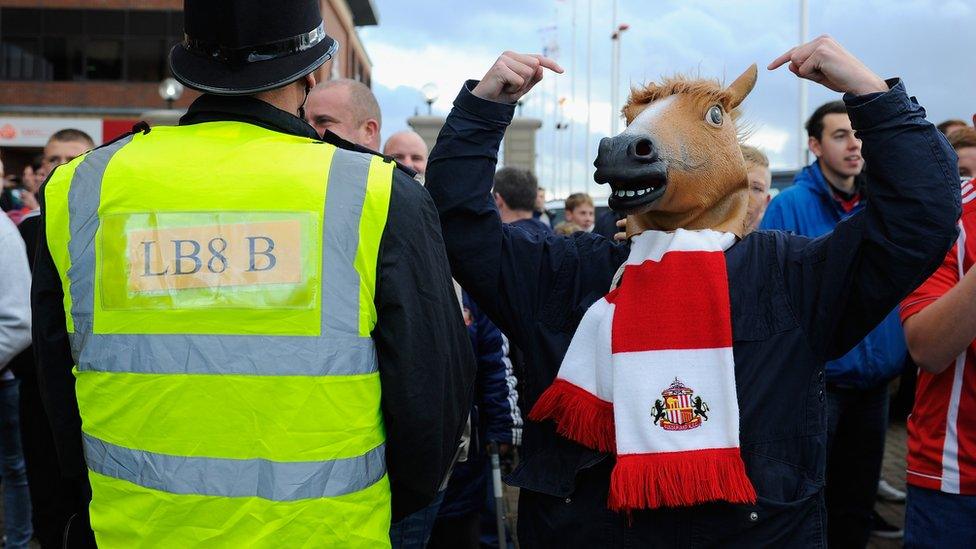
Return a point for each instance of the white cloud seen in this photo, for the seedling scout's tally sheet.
(413, 67)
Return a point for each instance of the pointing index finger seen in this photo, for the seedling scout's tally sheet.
(781, 60)
(549, 63)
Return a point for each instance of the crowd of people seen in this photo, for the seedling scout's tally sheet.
(928, 343)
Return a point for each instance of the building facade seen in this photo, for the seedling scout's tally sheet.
(97, 66)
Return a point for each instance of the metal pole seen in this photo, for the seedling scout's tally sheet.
(496, 483)
(572, 102)
(613, 71)
(801, 149)
(589, 97)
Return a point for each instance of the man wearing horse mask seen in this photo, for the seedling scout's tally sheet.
(677, 386)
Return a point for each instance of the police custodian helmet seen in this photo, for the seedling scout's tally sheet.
(241, 47)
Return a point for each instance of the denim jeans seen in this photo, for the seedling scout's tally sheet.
(856, 424)
(937, 519)
(413, 531)
(16, 498)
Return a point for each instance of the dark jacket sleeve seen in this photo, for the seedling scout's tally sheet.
(508, 271)
(53, 355)
(845, 282)
(497, 398)
(426, 366)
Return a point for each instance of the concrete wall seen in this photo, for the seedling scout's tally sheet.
(519, 148)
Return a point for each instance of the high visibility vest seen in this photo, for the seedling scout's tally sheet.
(219, 283)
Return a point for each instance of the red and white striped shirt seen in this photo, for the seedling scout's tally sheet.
(942, 427)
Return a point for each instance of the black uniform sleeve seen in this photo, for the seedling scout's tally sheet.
(844, 283)
(53, 355)
(426, 365)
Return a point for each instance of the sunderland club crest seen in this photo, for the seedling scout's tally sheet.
(680, 410)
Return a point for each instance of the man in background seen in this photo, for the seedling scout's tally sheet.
(940, 327)
(951, 125)
(515, 191)
(409, 149)
(63, 147)
(823, 194)
(580, 211)
(346, 108)
(760, 180)
(963, 140)
(15, 333)
(54, 498)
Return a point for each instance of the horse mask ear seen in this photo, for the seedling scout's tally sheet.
(739, 89)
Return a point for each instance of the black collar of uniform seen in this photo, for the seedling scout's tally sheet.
(214, 108)
(243, 108)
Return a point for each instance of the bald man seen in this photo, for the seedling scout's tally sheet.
(348, 109)
(409, 149)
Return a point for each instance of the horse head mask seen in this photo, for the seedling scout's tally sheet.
(678, 162)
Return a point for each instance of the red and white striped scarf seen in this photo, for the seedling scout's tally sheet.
(649, 376)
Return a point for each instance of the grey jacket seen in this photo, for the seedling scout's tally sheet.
(15, 281)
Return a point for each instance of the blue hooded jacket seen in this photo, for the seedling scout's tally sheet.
(809, 209)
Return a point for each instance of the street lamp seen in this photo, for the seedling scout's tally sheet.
(615, 76)
(430, 95)
(170, 90)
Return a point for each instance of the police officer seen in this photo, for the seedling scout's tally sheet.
(249, 370)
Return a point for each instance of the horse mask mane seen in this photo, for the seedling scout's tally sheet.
(678, 165)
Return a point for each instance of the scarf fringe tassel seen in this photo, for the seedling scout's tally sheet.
(579, 415)
(650, 481)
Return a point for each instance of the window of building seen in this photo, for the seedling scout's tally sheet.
(68, 44)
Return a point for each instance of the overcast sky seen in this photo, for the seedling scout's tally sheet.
(926, 42)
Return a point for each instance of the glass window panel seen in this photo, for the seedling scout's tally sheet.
(18, 21)
(20, 59)
(64, 22)
(65, 55)
(103, 59)
(105, 22)
(146, 59)
(148, 23)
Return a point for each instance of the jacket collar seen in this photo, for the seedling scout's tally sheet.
(213, 108)
(812, 178)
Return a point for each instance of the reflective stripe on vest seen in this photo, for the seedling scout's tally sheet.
(263, 390)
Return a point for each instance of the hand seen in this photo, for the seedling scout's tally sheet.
(512, 76)
(621, 235)
(826, 62)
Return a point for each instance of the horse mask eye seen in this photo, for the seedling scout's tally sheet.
(714, 116)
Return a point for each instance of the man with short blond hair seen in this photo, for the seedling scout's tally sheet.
(579, 209)
(760, 180)
(346, 108)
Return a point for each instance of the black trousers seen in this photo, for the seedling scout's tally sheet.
(856, 423)
(54, 499)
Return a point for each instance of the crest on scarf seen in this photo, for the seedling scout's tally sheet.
(680, 410)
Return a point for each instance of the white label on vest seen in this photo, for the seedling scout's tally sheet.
(212, 256)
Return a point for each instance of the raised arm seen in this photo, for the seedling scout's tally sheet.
(845, 282)
(507, 271)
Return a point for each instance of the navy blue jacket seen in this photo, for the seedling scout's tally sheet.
(796, 303)
(808, 208)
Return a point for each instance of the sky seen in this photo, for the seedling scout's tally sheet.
(925, 42)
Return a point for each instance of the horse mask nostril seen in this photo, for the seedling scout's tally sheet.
(643, 149)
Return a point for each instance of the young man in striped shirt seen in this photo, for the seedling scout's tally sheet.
(940, 328)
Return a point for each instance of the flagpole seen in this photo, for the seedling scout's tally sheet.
(613, 70)
(589, 96)
(801, 150)
(572, 102)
